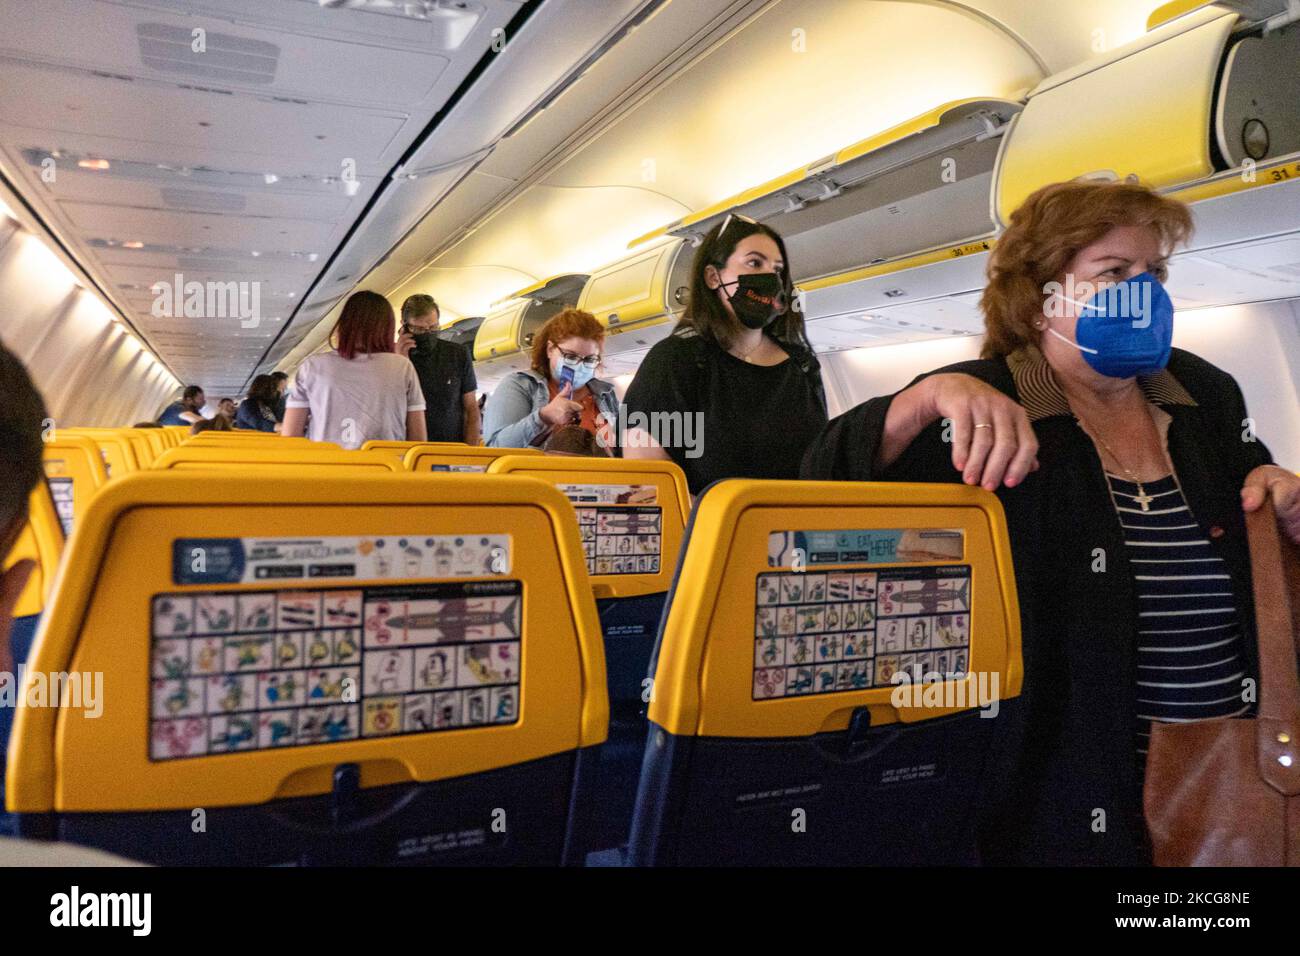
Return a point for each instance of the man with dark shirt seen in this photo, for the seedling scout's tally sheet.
(446, 374)
(187, 410)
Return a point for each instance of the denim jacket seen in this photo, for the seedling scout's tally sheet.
(512, 417)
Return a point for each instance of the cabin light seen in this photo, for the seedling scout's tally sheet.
(133, 244)
(256, 253)
(96, 164)
(270, 178)
(351, 186)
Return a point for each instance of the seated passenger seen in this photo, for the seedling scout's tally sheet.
(735, 391)
(361, 391)
(217, 423)
(186, 411)
(574, 440)
(1122, 468)
(559, 389)
(226, 408)
(257, 411)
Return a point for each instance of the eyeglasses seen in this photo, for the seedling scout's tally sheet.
(591, 361)
(734, 216)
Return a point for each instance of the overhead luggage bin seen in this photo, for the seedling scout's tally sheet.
(1268, 12)
(1164, 139)
(1257, 118)
(916, 194)
(635, 296)
(920, 185)
(462, 332)
(506, 333)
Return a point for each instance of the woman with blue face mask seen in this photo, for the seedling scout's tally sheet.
(560, 388)
(1125, 469)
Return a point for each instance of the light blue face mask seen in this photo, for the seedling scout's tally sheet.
(580, 372)
(1126, 329)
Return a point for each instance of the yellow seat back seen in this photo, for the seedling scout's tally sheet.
(116, 448)
(158, 442)
(74, 471)
(778, 561)
(438, 456)
(838, 644)
(41, 540)
(632, 515)
(262, 636)
(398, 449)
(239, 457)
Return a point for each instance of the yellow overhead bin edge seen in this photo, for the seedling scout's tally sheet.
(895, 134)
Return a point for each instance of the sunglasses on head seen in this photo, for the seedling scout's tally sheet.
(734, 217)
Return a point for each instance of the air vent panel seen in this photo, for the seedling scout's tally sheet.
(170, 49)
(207, 201)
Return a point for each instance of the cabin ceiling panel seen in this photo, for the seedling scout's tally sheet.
(78, 186)
(163, 227)
(205, 151)
(224, 129)
(240, 56)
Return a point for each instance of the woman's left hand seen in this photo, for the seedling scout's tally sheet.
(1284, 487)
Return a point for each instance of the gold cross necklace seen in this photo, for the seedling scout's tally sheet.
(1142, 498)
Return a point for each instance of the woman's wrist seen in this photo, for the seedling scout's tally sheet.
(910, 411)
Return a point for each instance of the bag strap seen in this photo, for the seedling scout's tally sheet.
(1275, 573)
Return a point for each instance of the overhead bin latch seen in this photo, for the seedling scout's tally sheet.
(1274, 14)
(992, 125)
(826, 189)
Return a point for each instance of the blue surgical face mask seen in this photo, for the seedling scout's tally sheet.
(582, 372)
(1126, 329)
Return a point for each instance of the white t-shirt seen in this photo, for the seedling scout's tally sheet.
(353, 401)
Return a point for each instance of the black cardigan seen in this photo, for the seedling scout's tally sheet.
(1067, 747)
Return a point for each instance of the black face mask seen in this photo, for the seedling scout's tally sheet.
(757, 299)
(425, 341)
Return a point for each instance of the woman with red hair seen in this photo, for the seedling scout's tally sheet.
(362, 390)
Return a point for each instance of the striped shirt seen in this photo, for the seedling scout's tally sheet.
(1190, 664)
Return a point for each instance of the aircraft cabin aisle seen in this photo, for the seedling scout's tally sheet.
(379, 355)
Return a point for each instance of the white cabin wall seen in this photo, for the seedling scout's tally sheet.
(90, 369)
(856, 375)
(1259, 345)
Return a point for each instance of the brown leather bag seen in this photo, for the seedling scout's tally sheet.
(1227, 792)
